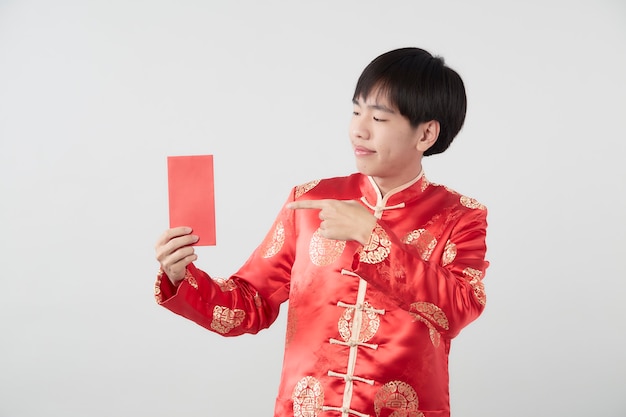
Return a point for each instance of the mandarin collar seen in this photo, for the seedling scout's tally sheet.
(402, 194)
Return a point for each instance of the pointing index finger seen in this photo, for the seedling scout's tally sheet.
(307, 204)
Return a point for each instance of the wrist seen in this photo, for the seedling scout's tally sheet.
(367, 234)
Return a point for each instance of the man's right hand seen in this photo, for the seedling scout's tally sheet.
(174, 252)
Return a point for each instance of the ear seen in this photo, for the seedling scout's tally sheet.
(428, 134)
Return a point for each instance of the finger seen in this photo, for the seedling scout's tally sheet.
(169, 234)
(308, 204)
(175, 267)
(187, 260)
(166, 249)
(175, 257)
(176, 272)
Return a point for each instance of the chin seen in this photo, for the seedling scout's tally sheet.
(363, 169)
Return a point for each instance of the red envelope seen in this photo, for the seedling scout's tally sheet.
(191, 196)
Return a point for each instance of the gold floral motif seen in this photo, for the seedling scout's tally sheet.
(425, 183)
(449, 253)
(225, 319)
(433, 313)
(471, 203)
(304, 188)
(225, 284)
(158, 296)
(324, 251)
(258, 302)
(474, 276)
(435, 337)
(308, 397)
(371, 323)
(423, 241)
(190, 279)
(450, 190)
(397, 399)
(430, 314)
(272, 245)
(377, 248)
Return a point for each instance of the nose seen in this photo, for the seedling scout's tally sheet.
(358, 128)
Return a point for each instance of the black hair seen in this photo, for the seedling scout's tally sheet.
(422, 88)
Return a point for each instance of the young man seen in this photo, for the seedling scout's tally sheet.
(382, 268)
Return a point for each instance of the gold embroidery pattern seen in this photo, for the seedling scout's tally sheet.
(449, 253)
(225, 319)
(371, 323)
(471, 203)
(308, 397)
(424, 242)
(450, 190)
(428, 314)
(425, 183)
(190, 279)
(158, 296)
(474, 277)
(433, 313)
(225, 284)
(304, 188)
(398, 399)
(258, 302)
(274, 244)
(324, 251)
(378, 247)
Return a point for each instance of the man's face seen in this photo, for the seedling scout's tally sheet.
(385, 145)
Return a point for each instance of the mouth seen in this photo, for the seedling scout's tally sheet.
(361, 151)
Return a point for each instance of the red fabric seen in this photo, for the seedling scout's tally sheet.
(369, 327)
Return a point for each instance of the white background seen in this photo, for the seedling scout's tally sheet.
(94, 95)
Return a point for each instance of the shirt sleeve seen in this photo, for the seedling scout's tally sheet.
(247, 301)
(448, 294)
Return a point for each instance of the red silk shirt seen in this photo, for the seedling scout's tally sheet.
(368, 327)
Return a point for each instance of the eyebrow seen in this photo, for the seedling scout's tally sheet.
(375, 106)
